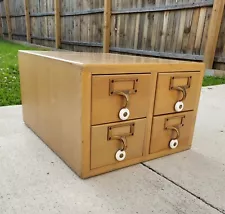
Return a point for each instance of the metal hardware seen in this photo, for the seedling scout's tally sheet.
(172, 79)
(181, 88)
(112, 90)
(110, 135)
(125, 95)
(176, 125)
(177, 132)
(123, 141)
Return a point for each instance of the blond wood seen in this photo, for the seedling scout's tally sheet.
(161, 136)
(52, 105)
(57, 24)
(58, 98)
(107, 25)
(148, 129)
(213, 32)
(8, 19)
(27, 20)
(127, 163)
(86, 122)
(103, 150)
(169, 97)
(106, 107)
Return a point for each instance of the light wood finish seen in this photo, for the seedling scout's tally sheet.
(170, 96)
(8, 19)
(103, 150)
(27, 20)
(106, 106)
(127, 163)
(52, 105)
(86, 123)
(213, 32)
(59, 96)
(161, 137)
(107, 25)
(57, 24)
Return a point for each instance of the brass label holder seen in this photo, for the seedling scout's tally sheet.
(172, 79)
(110, 136)
(112, 90)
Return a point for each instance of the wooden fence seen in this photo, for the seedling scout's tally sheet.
(177, 29)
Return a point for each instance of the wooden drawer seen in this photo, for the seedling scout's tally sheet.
(167, 127)
(106, 140)
(172, 87)
(110, 92)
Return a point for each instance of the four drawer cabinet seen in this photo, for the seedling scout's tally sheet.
(101, 112)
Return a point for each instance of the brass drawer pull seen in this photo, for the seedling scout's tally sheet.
(174, 142)
(179, 105)
(184, 92)
(124, 112)
(125, 95)
(121, 153)
(176, 130)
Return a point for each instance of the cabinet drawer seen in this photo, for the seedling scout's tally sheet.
(107, 139)
(175, 87)
(171, 127)
(111, 93)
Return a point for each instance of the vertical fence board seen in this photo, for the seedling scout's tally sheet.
(213, 34)
(200, 29)
(57, 24)
(27, 18)
(8, 19)
(107, 27)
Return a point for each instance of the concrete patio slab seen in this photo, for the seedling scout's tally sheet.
(202, 169)
(34, 180)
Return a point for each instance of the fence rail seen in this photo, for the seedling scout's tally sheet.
(187, 29)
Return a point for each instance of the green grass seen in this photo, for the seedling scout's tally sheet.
(9, 75)
(209, 80)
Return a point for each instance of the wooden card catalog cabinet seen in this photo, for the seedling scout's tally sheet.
(101, 112)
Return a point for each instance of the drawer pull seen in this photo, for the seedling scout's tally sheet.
(121, 153)
(122, 137)
(124, 112)
(174, 141)
(179, 106)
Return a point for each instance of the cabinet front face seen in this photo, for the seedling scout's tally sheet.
(176, 92)
(116, 142)
(170, 132)
(120, 97)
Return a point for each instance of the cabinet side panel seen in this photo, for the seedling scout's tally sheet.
(51, 98)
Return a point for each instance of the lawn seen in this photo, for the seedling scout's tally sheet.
(9, 75)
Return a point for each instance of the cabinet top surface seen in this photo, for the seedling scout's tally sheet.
(84, 58)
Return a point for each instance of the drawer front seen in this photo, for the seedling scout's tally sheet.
(170, 132)
(176, 92)
(111, 94)
(108, 139)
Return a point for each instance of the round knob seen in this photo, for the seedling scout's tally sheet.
(179, 106)
(120, 155)
(124, 114)
(174, 144)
